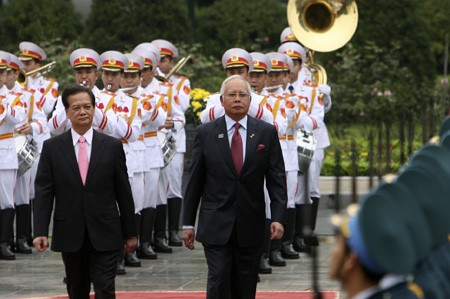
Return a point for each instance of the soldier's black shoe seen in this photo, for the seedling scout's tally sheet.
(174, 239)
(300, 246)
(275, 259)
(6, 253)
(161, 246)
(288, 252)
(22, 246)
(146, 252)
(264, 266)
(121, 266)
(131, 259)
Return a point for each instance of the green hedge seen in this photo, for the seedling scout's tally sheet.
(359, 135)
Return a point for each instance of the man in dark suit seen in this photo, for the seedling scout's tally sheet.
(232, 157)
(83, 174)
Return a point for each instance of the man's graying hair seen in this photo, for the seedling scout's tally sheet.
(222, 88)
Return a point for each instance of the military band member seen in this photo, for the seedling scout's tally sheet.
(32, 57)
(85, 64)
(305, 78)
(130, 81)
(34, 126)
(275, 85)
(11, 114)
(181, 84)
(257, 80)
(45, 92)
(174, 122)
(154, 156)
(181, 89)
(128, 123)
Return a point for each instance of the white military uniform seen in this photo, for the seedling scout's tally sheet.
(154, 157)
(38, 121)
(316, 125)
(170, 180)
(179, 92)
(153, 153)
(12, 113)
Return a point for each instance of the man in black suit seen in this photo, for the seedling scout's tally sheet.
(231, 158)
(83, 174)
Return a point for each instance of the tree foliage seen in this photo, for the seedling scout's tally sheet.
(122, 24)
(388, 67)
(254, 25)
(38, 22)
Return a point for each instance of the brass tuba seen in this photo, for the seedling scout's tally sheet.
(23, 77)
(322, 26)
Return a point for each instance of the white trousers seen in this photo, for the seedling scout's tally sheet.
(174, 173)
(22, 189)
(137, 189)
(7, 183)
(151, 187)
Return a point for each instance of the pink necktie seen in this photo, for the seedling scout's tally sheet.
(83, 162)
(236, 148)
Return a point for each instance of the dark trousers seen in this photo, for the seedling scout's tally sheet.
(89, 265)
(232, 270)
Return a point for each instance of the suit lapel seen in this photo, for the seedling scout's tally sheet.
(68, 151)
(96, 152)
(221, 136)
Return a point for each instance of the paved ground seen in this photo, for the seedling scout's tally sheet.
(41, 274)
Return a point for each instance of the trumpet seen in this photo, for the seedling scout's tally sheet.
(23, 77)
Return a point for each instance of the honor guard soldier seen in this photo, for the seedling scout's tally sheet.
(181, 84)
(85, 64)
(32, 56)
(236, 61)
(12, 113)
(34, 127)
(275, 86)
(304, 81)
(181, 89)
(154, 155)
(130, 82)
(128, 122)
(174, 122)
(257, 80)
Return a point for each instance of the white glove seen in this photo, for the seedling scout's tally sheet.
(326, 102)
(325, 89)
(290, 114)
